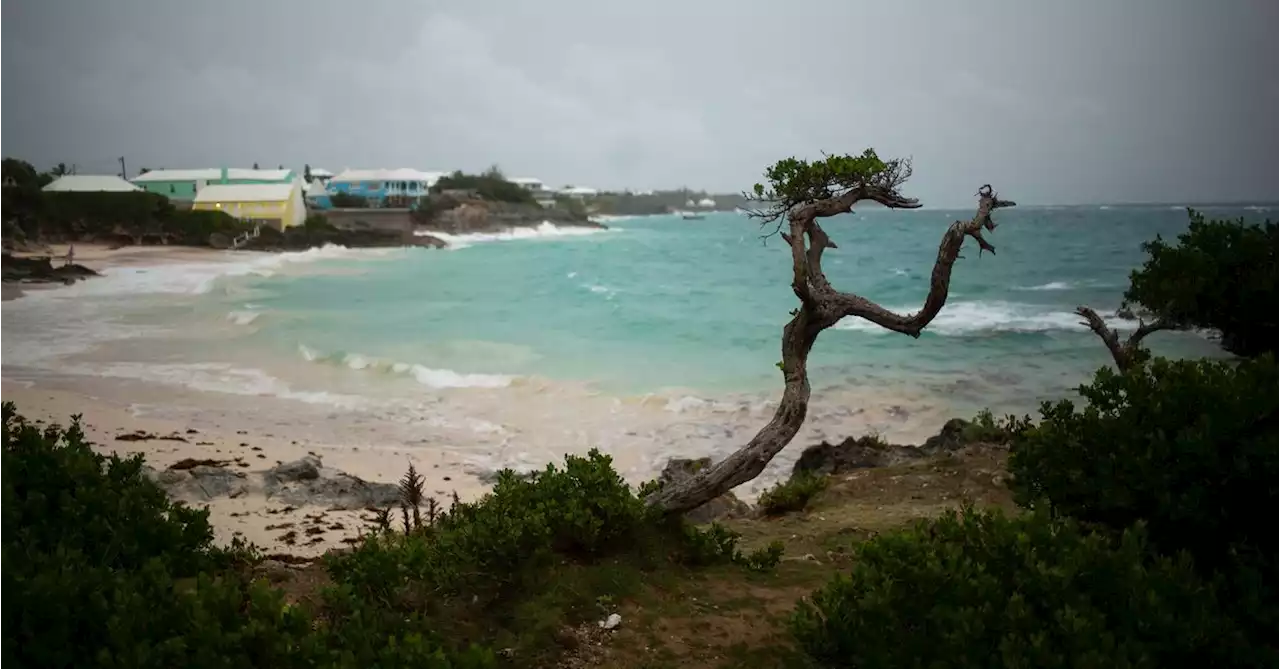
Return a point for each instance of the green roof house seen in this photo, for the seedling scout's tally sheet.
(184, 184)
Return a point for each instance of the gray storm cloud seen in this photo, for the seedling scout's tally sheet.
(1088, 101)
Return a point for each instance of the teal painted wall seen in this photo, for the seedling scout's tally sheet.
(179, 190)
(186, 190)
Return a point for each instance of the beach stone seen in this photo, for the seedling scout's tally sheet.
(307, 482)
(202, 483)
(304, 469)
(723, 507)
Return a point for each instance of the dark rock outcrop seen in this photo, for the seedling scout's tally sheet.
(307, 481)
(949, 438)
(354, 235)
(42, 270)
(851, 454)
(869, 451)
(721, 508)
(301, 482)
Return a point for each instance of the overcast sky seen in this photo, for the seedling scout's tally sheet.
(1050, 101)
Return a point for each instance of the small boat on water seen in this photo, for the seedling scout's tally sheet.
(692, 216)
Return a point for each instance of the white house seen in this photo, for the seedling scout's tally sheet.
(530, 184)
(400, 181)
(579, 191)
(706, 202)
(91, 183)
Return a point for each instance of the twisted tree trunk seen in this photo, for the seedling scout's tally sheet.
(1128, 353)
(822, 306)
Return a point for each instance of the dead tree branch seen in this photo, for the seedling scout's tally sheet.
(822, 306)
(1128, 353)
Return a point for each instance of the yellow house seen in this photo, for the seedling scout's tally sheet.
(277, 205)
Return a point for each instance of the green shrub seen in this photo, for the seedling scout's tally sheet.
(978, 590)
(794, 494)
(501, 544)
(102, 570)
(492, 185)
(987, 429)
(1189, 447)
(534, 554)
(1220, 275)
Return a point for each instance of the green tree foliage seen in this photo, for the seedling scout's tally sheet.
(979, 590)
(1220, 275)
(1189, 447)
(793, 181)
(491, 185)
(138, 217)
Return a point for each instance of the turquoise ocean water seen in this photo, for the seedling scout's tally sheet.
(655, 338)
(662, 302)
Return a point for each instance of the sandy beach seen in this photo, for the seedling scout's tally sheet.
(177, 370)
(111, 409)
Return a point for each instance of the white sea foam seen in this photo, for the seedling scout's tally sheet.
(545, 230)
(1052, 285)
(964, 318)
(243, 317)
(427, 376)
(194, 278)
(218, 378)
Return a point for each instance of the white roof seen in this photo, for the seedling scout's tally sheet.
(245, 193)
(314, 189)
(212, 173)
(320, 172)
(579, 190)
(706, 202)
(398, 174)
(526, 181)
(90, 183)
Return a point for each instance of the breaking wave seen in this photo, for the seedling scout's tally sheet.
(966, 318)
(544, 230)
(427, 376)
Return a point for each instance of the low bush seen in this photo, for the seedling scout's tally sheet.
(974, 589)
(541, 549)
(492, 185)
(1189, 447)
(985, 428)
(794, 494)
(102, 570)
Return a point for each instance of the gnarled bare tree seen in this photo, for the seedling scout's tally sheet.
(1129, 352)
(799, 195)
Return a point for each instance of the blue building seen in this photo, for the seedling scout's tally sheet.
(378, 188)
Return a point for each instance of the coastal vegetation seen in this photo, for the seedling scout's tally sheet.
(33, 216)
(489, 185)
(1123, 531)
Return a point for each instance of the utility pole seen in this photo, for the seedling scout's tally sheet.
(124, 174)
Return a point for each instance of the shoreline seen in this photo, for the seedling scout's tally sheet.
(255, 518)
(455, 436)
